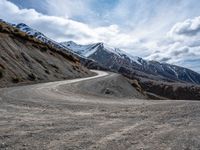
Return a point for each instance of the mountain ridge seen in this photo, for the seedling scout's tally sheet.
(119, 61)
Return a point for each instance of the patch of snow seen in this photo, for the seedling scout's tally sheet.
(188, 76)
(85, 50)
(173, 69)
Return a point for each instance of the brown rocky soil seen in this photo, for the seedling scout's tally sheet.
(25, 60)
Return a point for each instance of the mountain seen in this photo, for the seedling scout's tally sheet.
(24, 59)
(119, 61)
(154, 78)
(101, 56)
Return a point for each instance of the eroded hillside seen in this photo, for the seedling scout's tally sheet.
(23, 59)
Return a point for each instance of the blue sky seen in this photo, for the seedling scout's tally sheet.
(163, 30)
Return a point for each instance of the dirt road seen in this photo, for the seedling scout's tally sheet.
(48, 116)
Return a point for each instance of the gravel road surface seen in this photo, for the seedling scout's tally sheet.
(48, 116)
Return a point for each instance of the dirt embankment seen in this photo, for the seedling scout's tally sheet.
(23, 59)
(111, 86)
(171, 90)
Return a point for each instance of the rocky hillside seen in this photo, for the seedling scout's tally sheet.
(24, 59)
(170, 90)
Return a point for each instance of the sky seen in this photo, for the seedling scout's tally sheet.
(162, 30)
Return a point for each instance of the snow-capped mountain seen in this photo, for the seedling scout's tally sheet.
(40, 36)
(84, 50)
(90, 49)
(119, 61)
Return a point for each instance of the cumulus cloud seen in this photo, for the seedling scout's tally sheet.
(183, 50)
(56, 27)
(189, 27)
(181, 45)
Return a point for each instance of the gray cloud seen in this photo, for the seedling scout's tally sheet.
(181, 51)
(195, 43)
(165, 59)
(189, 27)
(181, 46)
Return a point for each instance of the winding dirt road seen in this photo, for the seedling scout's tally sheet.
(47, 116)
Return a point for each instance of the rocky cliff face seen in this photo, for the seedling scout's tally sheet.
(24, 59)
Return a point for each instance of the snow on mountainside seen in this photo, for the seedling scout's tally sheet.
(40, 36)
(119, 61)
(88, 50)
(84, 50)
(23, 27)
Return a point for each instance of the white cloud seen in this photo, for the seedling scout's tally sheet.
(181, 45)
(189, 27)
(64, 29)
(68, 8)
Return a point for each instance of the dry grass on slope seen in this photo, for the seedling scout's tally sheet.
(24, 59)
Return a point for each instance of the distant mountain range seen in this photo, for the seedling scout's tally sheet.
(120, 61)
(102, 56)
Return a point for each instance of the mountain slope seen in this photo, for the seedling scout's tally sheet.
(25, 59)
(124, 63)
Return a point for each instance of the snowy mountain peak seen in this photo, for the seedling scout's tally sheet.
(84, 50)
(69, 43)
(90, 49)
(25, 28)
